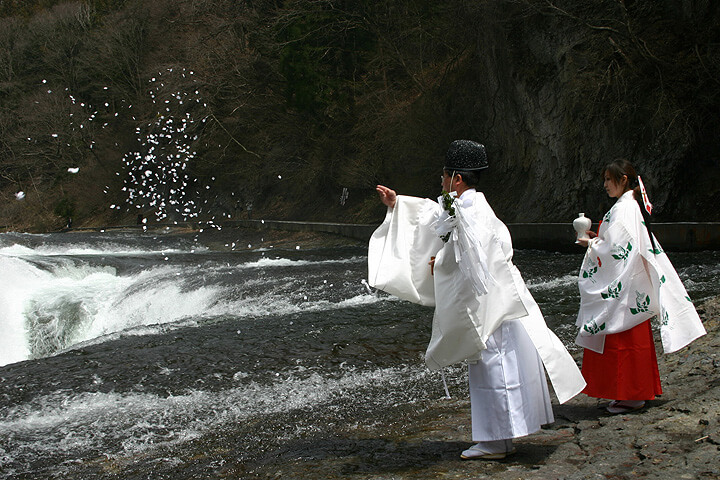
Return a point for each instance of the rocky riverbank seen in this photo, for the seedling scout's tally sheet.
(417, 436)
(675, 436)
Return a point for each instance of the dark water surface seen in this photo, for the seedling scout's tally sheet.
(178, 355)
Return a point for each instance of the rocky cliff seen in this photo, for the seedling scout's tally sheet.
(212, 109)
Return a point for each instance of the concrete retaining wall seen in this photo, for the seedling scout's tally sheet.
(560, 237)
(351, 230)
(689, 236)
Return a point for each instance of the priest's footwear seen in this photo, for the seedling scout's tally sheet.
(489, 451)
(625, 406)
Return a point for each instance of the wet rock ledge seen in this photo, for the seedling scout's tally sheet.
(676, 436)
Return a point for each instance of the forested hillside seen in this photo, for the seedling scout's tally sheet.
(215, 109)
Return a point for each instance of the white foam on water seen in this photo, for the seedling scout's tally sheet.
(364, 299)
(64, 422)
(43, 311)
(255, 307)
(51, 305)
(16, 279)
(282, 305)
(155, 301)
(86, 250)
(286, 262)
(51, 300)
(540, 285)
(40, 307)
(16, 250)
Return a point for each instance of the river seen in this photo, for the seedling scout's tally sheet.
(161, 355)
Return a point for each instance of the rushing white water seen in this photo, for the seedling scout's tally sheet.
(54, 296)
(63, 422)
(51, 298)
(541, 285)
(150, 348)
(48, 309)
(82, 250)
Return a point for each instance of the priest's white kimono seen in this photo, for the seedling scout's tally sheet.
(623, 282)
(501, 333)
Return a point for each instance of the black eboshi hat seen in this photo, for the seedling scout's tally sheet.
(466, 155)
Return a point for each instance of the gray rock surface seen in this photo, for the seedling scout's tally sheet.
(676, 436)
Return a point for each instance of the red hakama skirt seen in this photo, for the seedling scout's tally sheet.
(627, 369)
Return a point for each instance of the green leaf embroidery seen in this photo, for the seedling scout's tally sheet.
(591, 269)
(642, 302)
(608, 216)
(592, 327)
(613, 291)
(622, 253)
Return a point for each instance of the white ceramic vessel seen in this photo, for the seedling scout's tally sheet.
(581, 225)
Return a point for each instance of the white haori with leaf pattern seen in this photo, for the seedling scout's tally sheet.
(624, 282)
(469, 306)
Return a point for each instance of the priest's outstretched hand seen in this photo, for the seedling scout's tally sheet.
(387, 195)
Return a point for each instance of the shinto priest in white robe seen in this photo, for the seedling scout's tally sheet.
(484, 313)
(623, 282)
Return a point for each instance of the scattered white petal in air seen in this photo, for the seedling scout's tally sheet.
(73, 170)
(20, 195)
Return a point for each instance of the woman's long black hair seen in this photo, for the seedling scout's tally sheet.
(616, 170)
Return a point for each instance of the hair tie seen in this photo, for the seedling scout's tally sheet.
(643, 193)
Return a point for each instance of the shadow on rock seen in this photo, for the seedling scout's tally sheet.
(374, 454)
(378, 457)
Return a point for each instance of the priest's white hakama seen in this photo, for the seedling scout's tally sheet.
(500, 331)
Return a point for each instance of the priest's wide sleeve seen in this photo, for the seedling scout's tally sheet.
(400, 249)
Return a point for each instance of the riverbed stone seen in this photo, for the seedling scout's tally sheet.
(675, 436)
